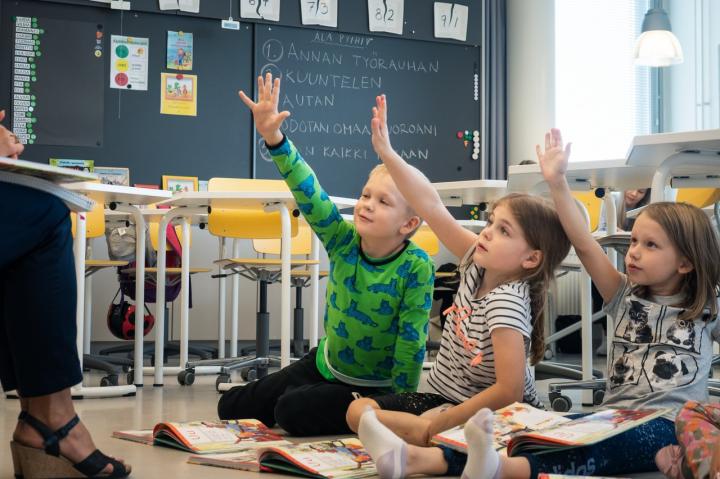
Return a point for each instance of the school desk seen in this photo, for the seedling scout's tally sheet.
(121, 198)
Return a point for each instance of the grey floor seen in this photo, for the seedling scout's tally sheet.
(151, 405)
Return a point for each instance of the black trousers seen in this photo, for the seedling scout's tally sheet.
(296, 398)
(38, 352)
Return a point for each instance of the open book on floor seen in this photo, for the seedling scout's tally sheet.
(544, 475)
(523, 428)
(206, 437)
(333, 459)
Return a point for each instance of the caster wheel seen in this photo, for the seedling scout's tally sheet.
(561, 403)
(186, 378)
(221, 379)
(249, 374)
(110, 380)
(131, 377)
(548, 354)
(598, 397)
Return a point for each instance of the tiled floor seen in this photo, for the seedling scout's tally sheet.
(173, 402)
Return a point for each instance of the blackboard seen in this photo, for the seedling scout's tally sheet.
(46, 112)
(80, 118)
(134, 134)
(329, 83)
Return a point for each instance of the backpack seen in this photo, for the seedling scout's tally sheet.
(121, 246)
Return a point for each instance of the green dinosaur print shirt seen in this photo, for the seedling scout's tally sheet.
(376, 313)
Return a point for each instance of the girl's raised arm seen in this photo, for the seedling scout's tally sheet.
(553, 163)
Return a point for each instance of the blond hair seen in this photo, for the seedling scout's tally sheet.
(692, 234)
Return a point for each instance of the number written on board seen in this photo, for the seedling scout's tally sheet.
(319, 12)
(451, 20)
(261, 9)
(386, 16)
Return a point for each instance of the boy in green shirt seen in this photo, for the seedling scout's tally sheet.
(378, 298)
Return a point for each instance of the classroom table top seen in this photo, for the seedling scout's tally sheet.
(470, 192)
(103, 193)
(583, 175)
(652, 150)
(240, 199)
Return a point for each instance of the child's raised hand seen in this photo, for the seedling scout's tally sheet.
(554, 160)
(378, 125)
(265, 111)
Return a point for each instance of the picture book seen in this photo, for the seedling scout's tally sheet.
(523, 428)
(143, 436)
(509, 421)
(82, 165)
(544, 475)
(336, 459)
(207, 437)
(582, 431)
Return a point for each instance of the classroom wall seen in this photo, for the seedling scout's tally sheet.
(531, 75)
(692, 88)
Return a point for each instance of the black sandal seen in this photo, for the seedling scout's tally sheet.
(37, 463)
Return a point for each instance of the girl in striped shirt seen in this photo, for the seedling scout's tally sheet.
(494, 325)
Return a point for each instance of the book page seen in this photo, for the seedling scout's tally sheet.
(597, 426)
(510, 421)
(245, 460)
(217, 436)
(340, 458)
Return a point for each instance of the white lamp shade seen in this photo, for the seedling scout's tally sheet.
(658, 48)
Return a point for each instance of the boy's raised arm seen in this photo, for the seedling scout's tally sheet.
(265, 111)
(416, 189)
(553, 164)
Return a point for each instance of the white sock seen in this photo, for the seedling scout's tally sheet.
(387, 450)
(483, 461)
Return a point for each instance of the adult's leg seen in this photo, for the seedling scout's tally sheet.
(38, 309)
(258, 399)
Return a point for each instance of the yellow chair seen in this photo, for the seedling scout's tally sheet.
(700, 197)
(592, 204)
(265, 229)
(95, 228)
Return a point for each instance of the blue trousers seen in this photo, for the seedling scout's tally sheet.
(631, 452)
(38, 352)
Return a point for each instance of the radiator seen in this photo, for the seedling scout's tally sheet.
(568, 290)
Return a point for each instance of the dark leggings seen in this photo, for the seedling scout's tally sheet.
(38, 353)
(631, 452)
(298, 398)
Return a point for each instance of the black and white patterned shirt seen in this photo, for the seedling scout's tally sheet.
(507, 306)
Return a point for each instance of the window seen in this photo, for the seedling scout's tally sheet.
(602, 99)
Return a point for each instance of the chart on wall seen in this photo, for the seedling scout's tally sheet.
(329, 84)
(55, 63)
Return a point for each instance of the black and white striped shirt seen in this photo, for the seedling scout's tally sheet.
(507, 306)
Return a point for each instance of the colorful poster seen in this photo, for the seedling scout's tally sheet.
(129, 62)
(179, 51)
(82, 165)
(179, 94)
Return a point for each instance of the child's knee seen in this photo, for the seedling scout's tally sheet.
(231, 403)
(355, 410)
